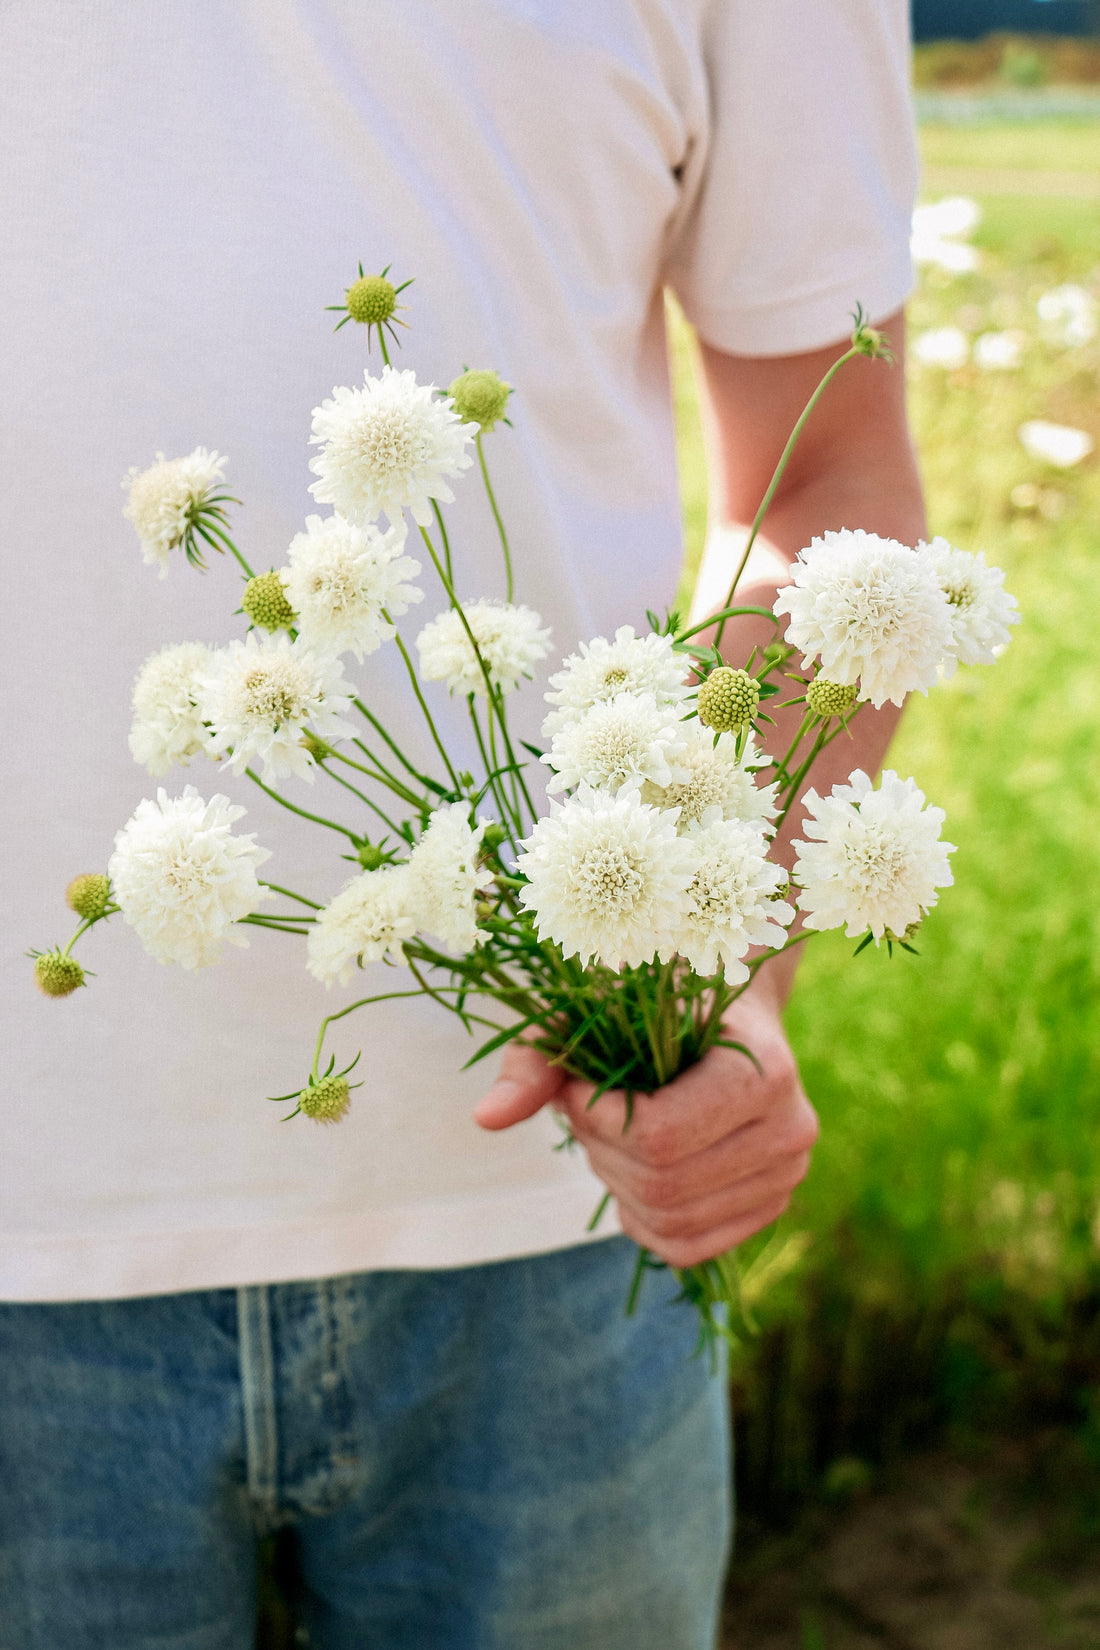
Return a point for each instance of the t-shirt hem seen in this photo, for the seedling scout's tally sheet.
(443, 1236)
(806, 321)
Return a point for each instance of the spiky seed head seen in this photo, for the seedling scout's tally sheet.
(56, 975)
(727, 700)
(480, 397)
(327, 1100)
(370, 857)
(264, 601)
(371, 300)
(88, 895)
(830, 698)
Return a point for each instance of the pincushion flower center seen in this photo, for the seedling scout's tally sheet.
(608, 879)
(270, 699)
(388, 441)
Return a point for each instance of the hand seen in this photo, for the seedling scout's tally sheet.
(707, 1160)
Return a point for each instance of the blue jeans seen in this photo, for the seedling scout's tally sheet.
(492, 1458)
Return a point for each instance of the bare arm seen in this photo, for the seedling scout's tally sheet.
(714, 1156)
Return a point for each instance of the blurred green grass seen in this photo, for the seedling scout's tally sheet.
(941, 1266)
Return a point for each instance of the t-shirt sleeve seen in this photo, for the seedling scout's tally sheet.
(798, 198)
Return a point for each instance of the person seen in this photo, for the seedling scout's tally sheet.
(395, 1338)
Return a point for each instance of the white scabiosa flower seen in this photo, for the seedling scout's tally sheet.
(999, 351)
(165, 500)
(938, 230)
(260, 695)
(182, 879)
(629, 664)
(874, 612)
(1059, 444)
(731, 902)
(167, 727)
(981, 607)
(619, 741)
(606, 877)
(946, 347)
(387, 447)
(511, 641)
(339, 580)
(875, 860)
(446, 879)
(1070, 313)
(709, 776)
(367, 921)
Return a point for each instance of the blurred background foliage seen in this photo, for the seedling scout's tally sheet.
(939, 1273)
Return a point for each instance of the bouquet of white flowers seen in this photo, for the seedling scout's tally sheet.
(613, 931)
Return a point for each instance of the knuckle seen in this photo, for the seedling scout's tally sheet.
(657, 1190)
(656, 1146)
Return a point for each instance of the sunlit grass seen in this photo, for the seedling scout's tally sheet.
(953, 1211)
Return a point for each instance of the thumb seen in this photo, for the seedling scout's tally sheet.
(526, 1082)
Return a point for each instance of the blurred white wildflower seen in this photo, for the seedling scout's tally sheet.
(511, 641)
(606, 877)
(167, 727)
(629, 664)
(999, 351)
(445, 879)
(368, 920)
(618, 741)
(875, 860)
(387, 447)
(874, 612)
(1057, 444)
(710, 776)
(1070, 314)
(946, 347)
(981, 607)
(339, 580)
(182, 879)
(260, 695)
(937, 230)
(730, 903)
(165, 499)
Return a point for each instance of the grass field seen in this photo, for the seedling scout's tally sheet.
(942, 1264)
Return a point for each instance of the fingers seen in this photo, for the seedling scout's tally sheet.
(690, 1251)
(524, 1085)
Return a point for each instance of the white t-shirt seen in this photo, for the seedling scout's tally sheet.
(185, 187)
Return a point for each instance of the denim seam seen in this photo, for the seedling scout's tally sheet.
(257, 1364)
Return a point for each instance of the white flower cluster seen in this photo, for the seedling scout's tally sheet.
(434, 892)
(182, 879)
(251, 701)
(388, 447)
(891, 619)
(938, 234)
(875, 859)
(511, 640)
(660, 850)
(345, 583)
(164, 499)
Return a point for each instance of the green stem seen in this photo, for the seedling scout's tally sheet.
(804, 728)
(207, 527)
(796, 782)
(395, 748)
(404, 652)
(289, 894)
(302, 812)
(784, 459)
(443, 535)
(727, 613)
(496, 516)
(277, 925)
(378, 773)
(367, 801)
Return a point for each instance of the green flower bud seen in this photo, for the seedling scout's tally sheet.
(265, 603)
(370, 857)
(327, 1100)
(88, 895)
(830, 698)
(57, 976)
(727, 700)
(495, 834)
(480, 397)
(371, 299)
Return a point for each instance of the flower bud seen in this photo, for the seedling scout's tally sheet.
(264, 601)
(826, 698)
(326, 1101)
(370, 857)
(56, 975)
(495, 834)
(88, 895)
(727, 700)
(371, 299)
(480, 397)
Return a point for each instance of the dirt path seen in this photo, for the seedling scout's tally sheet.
(950, 1556)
